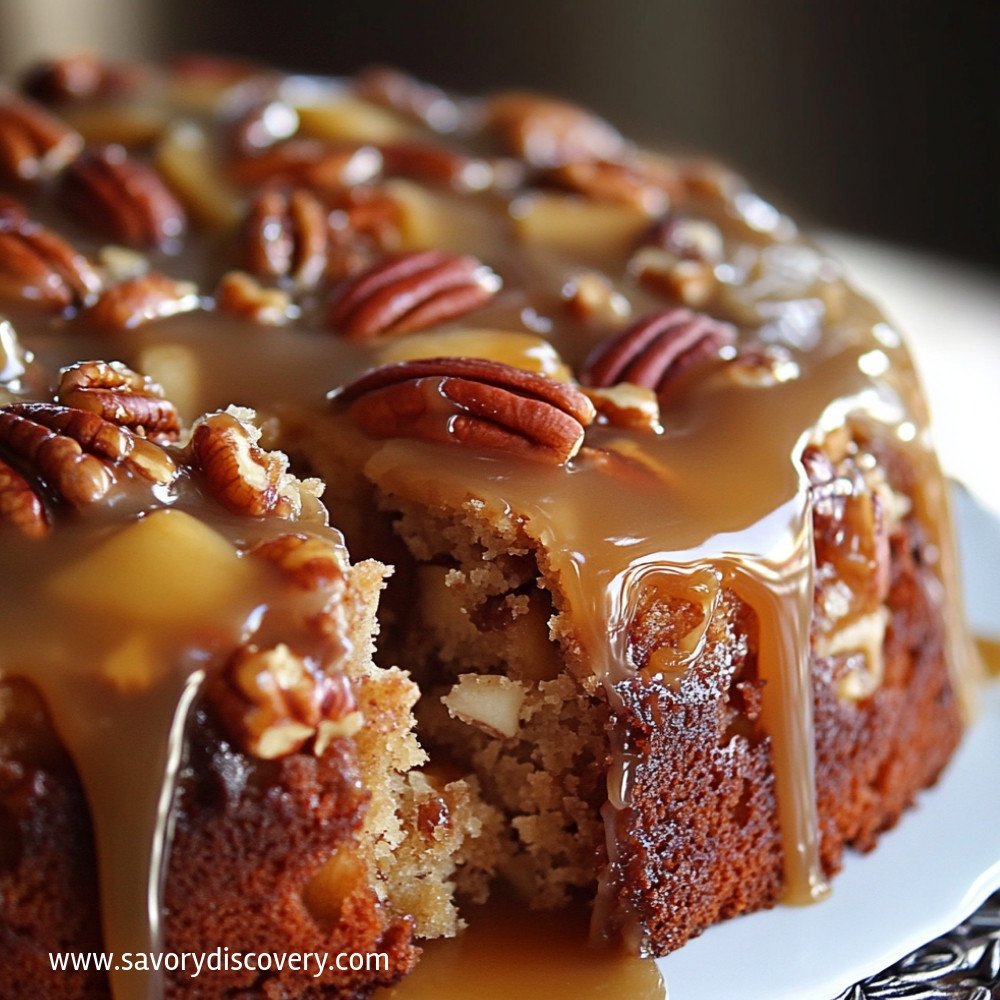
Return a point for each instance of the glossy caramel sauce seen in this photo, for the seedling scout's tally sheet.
(507, 951)
(717, 500)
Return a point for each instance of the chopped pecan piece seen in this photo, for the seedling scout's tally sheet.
(122, 198)
(122, 396)
(140, 300)
(626, 405)
(286, 236)
(20, 506)
(408, 96)
(239, 474)
(39, 267)
(677, 257)
(654, 351)
(80, 77)
(273, 701)
(412, 292)
(473, 402)
(240, 295)
(34, 146)
(550, 133)
(310, 562)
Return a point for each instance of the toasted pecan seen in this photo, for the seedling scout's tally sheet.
(473, 402)
(412, 291)
(286, 237)
(656, 349)
(121, 198)
(39, 267)
(34, 146)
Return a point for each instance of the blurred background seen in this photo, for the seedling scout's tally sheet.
(877, 116)
(876, 122)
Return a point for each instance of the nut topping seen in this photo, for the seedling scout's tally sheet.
(550, 133)
(122, 396)
(654, 351)
(412, 292)
(39, 267)
(273, 702)
(436, 165)
(412, 98)
(309, 163)
(286, 237)
(121, 198)
(263, 126)
(34, 146)
(240, 475)
(140, 300)
(604, 180)
(20, 505)
(12, 212)
(473, 402)
(79, 77)
(309, 561)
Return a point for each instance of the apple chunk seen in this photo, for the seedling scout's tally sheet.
(492, 704)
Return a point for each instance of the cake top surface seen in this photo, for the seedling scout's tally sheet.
(499, 301)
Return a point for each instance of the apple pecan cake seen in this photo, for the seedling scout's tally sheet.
(634, 491)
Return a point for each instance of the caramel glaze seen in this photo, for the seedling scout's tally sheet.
(717, 500)
(119, 635)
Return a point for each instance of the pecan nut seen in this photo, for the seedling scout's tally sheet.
(657, 349)
(12, 212)
(121, 198)
(310, 562)
(20, 506)
(286, 237)
(626, 183)
(413, 291)
(139, 300)
(436, 165)
(238, 473)
(122, 396)
(308, 163)
(40, 268)
(34, 146)
(472, 402)
(273, 701)
(80, 77)
(550, 133)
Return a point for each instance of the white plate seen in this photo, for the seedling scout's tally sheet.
(925, 876)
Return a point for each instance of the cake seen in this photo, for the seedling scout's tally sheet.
(403, 494)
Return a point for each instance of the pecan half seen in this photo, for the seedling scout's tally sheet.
(122, 396)
(73, 450)
(473, 402)
(654, 351)
(122, 198)
(238, 473)
(20, 506)
(550, 133)
(34, 146)
(408, 96)
(80, 77)
(40, 268)
(413, 291)
(273, 701)
(286, 237)
(607, 180)
(308, 163)
(423, 162)
(140, 300)
(310, 562)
